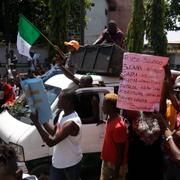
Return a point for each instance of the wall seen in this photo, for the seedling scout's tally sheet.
(122, 14)
(99, 15)
(97, 20)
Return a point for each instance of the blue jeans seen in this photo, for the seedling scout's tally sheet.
(69, 173)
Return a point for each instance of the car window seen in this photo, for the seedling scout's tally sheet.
(87, 107)
(116, 89)
(52, 93)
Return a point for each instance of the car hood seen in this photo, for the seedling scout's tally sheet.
(11, 129)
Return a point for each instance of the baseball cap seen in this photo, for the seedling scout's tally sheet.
(73, 43)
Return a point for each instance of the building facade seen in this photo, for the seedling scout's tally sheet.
(121, 14)
(101, 12)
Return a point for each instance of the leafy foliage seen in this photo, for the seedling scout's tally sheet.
(149, 17)
(172, 13)
(66, 18)
(155, 27)
(57, 18)
(135, 35)
(77, 19)
(35, 10)
(59, 14)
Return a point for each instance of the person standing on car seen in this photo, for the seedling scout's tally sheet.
(114, 150)
(65, 137)
(112, 34)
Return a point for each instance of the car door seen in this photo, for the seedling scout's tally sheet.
(93, 134)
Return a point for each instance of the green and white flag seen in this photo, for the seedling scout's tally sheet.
(27, 35)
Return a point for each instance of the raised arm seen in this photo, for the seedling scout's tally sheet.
(66, 72)
(69, 75)
(100, 39)
(69, 128)
(174, 150)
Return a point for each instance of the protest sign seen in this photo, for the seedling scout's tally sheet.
(37, 98)
(141, 87)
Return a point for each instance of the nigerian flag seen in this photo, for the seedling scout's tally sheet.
(27, 35)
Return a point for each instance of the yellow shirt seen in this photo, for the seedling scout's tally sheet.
(171, 114)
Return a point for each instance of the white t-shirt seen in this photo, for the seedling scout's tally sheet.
(68, 152)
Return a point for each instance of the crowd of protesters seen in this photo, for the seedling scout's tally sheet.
(137, 145)
(10, 87)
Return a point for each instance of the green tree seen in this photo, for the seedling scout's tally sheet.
(135, 34)
(77, 19)
(35, 10)
(155, 28)
(66, 19)
(60, 20)
(172, 13)
(58, 26)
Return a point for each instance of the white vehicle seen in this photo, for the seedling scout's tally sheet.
(34, 155)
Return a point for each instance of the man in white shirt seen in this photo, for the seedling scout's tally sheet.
(65, 137)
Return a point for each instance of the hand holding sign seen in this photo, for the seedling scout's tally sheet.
(37, 98)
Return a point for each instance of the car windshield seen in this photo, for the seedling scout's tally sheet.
(21, 111)
(52, 92)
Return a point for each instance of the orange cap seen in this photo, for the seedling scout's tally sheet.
(72, 43)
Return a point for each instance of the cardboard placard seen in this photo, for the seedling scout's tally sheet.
(141, 87)
(37, 98)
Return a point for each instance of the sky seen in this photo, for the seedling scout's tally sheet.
(172, 37)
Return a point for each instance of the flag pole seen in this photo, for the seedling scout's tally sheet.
(62, 55)
(54, 46)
